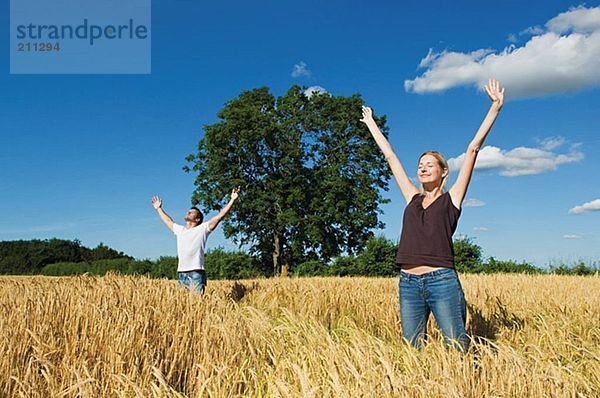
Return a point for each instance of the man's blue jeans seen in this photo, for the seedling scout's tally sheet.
(439, 292)
(193, 280)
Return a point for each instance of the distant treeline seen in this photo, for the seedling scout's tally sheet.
(56, 257)
(31, 256)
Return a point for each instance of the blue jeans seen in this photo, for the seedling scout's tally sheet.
(193, 280)
(439, 292)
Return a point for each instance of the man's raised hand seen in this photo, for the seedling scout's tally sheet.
(235, 192)
(156, 202)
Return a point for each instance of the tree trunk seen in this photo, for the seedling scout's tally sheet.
(276, 254)
(280, 266)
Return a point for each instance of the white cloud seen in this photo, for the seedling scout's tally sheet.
(571, 236)
(594, 205)
(314, 90)
(579, 19)
(481, 229)
(532, 31)
(562, 57)
(551, 143)
(473, 203)
(512, 38)
(522, 160)
(300, 70)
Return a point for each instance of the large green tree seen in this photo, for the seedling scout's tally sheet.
(311, 175)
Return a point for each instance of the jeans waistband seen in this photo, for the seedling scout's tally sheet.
(201, 271)
(429, 275)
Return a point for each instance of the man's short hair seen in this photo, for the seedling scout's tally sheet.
(200, 215)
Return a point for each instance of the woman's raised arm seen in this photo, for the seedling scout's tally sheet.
(459, 189)
(406, 186)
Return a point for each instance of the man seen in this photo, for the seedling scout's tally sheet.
(191, 240)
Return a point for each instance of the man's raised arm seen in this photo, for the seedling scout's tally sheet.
(157, 203)
(212, 224)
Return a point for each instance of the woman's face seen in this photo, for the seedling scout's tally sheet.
(429, 170)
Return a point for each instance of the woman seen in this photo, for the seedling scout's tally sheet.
(428, 280)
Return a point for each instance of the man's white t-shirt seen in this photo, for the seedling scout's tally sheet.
(190, 246)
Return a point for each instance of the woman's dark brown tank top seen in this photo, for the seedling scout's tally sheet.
(426, 237)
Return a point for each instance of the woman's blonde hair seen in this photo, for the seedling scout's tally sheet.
(443, 163)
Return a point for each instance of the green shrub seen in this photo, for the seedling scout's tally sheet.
(310, 268)
(493, 266)
(467, 255)
(220, 264)
(378, 258)
(164, 267)
(577, 269)
(125, 266)
(344, 266)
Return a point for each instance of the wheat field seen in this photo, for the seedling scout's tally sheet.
(117, 336)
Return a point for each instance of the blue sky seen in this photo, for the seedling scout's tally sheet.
(81, 155)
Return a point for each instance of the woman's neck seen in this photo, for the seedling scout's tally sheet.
(432, 192)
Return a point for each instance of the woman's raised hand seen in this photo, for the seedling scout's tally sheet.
(495, 92)
(367, 114)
